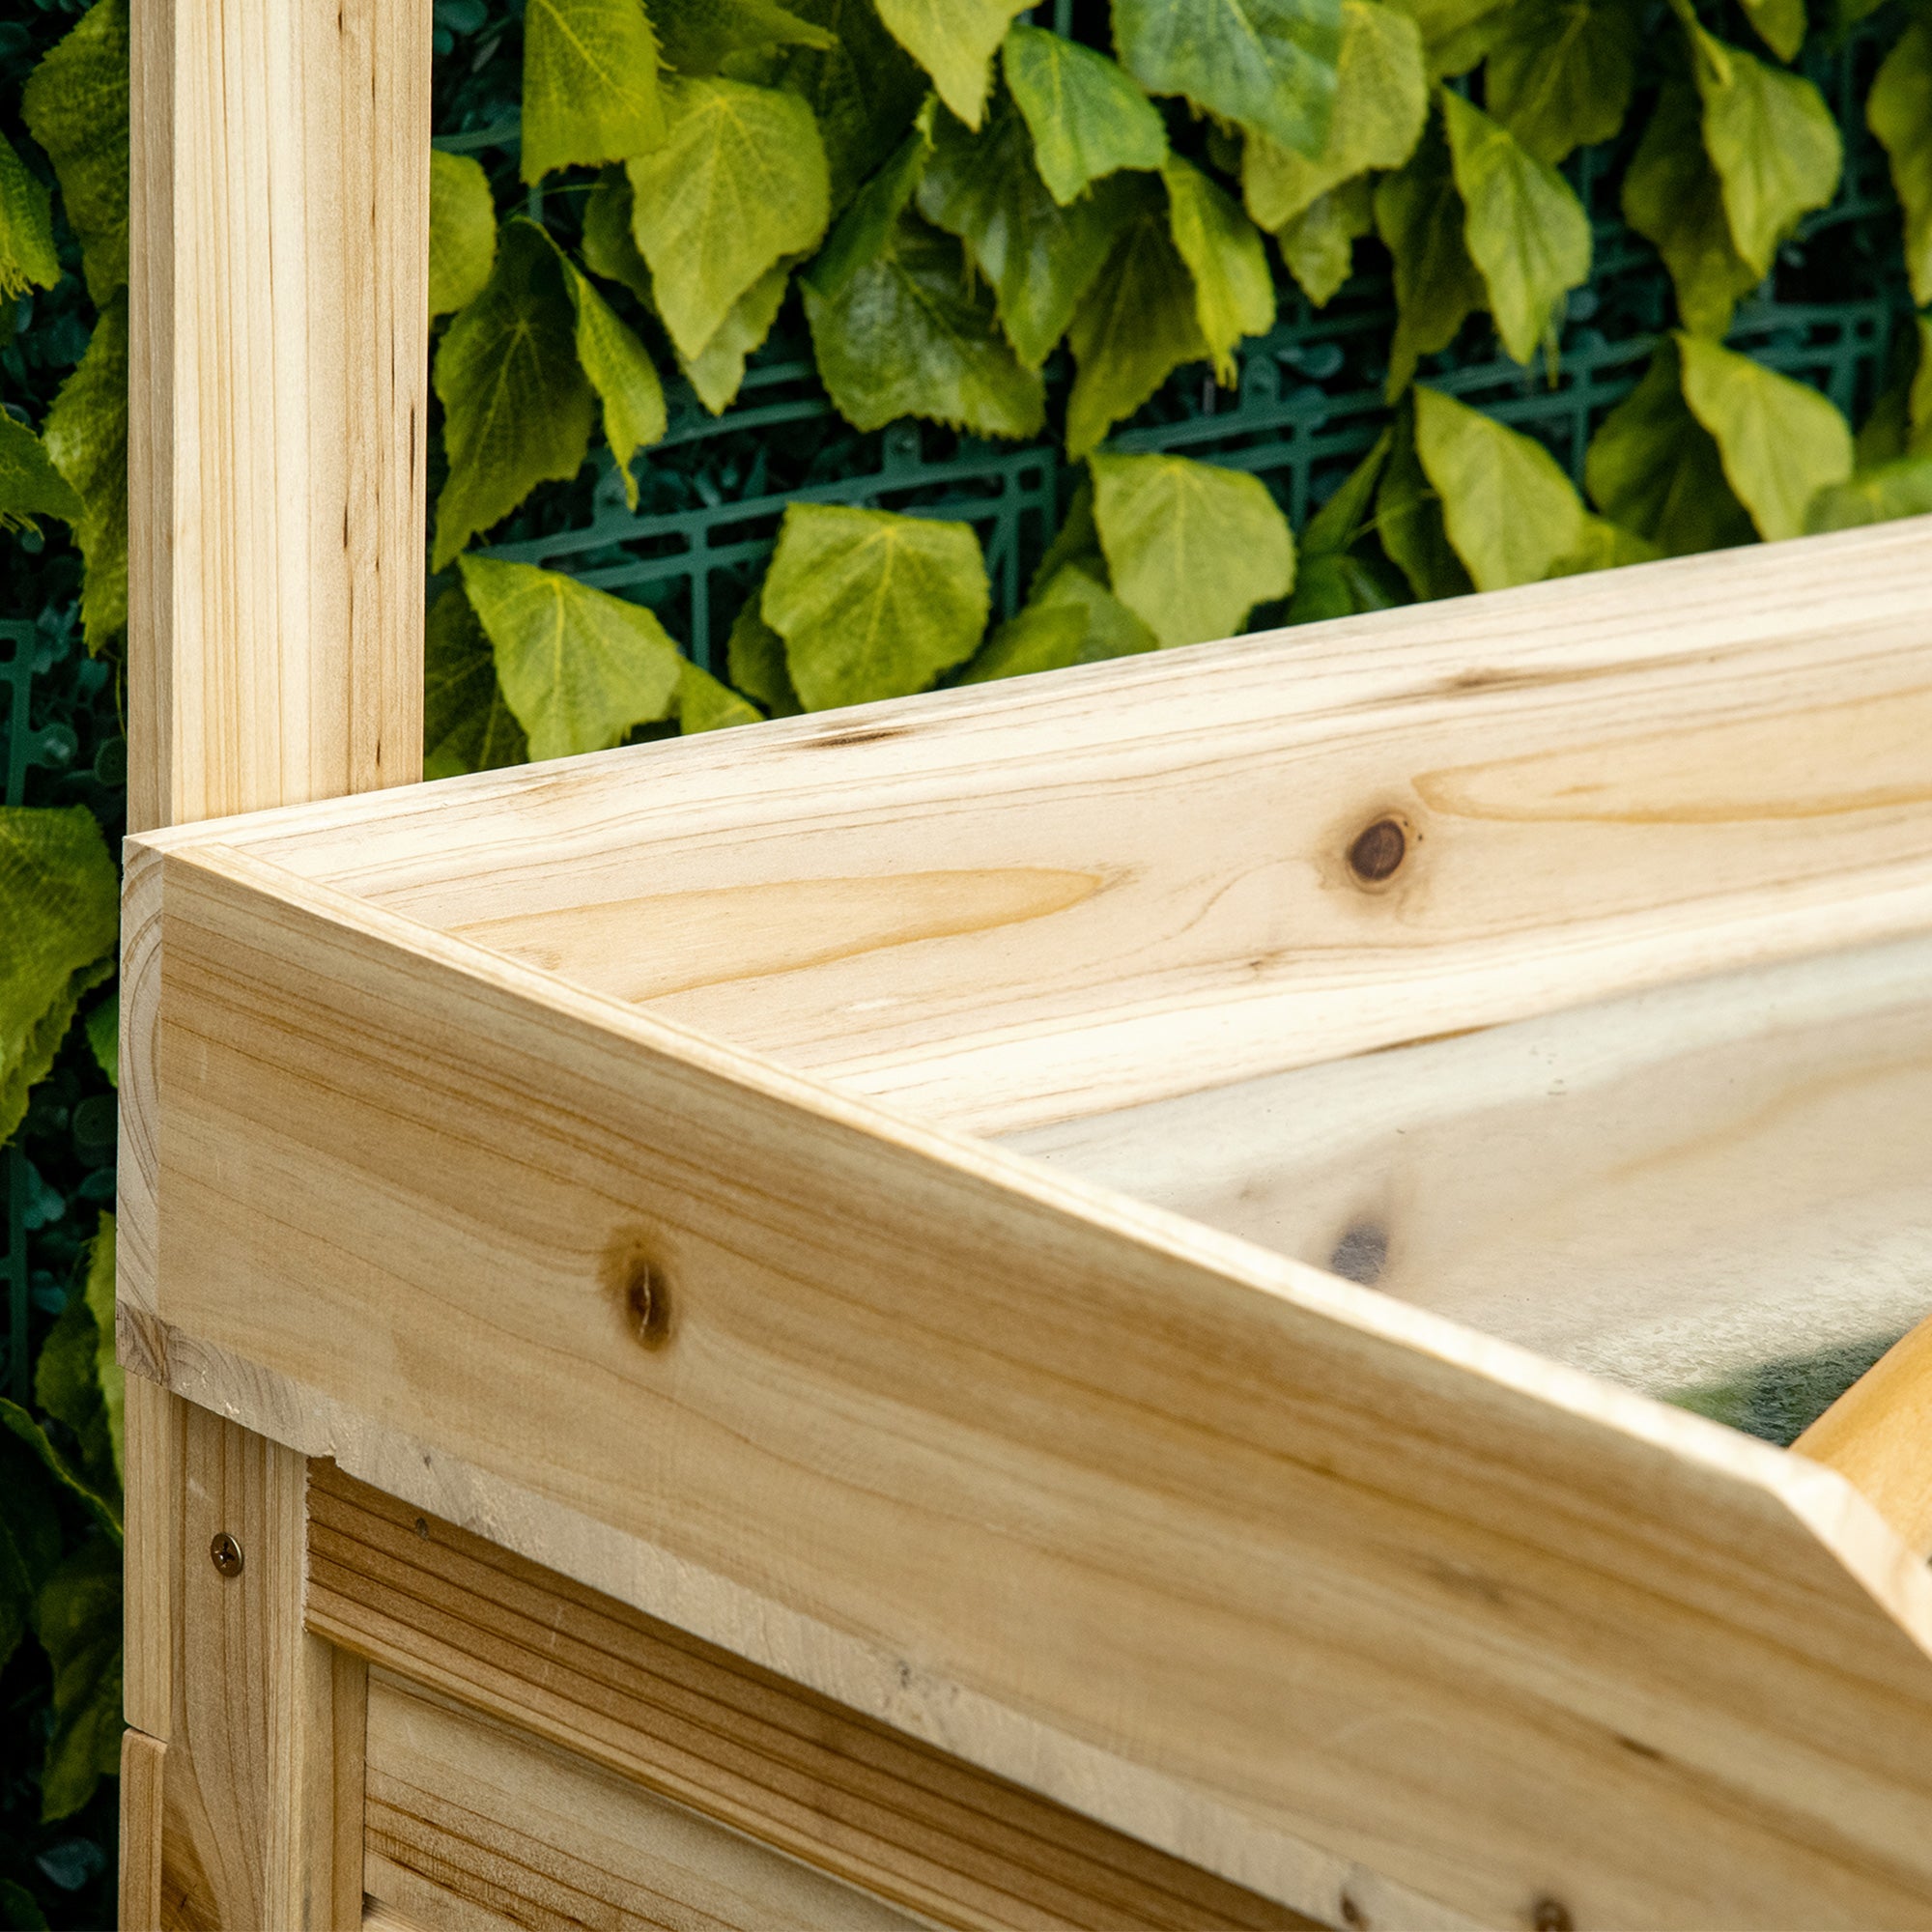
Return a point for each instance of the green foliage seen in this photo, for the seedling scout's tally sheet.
(76, 106)
(1234, 293)
(590, 84)
(1901, 488)
(87, 442)
(77, 1619)
(1319, 246)
(704, 704)
(619, 368)
(462, 232)
(1559, 74)
(871, 604)
(29, 485)
(1336, 575)
(1419, 217)
(467, 725)
(1086, 116)
(703, 35)
(954, 40)
(27, 259)
(1899, 112)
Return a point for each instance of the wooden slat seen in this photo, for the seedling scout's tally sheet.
(424, 1597)
(1879, 1433)
(140, 1878)
(1260, 1567)
(474, 1826)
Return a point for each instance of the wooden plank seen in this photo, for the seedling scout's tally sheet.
(140, 1877)
(426, 1599)
(473, 1825)
(1263, 1567)
(1007, 905)
(1877, 1435)
(1664, 1189)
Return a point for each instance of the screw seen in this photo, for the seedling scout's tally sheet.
(225, 1553)
(1551, 1914)
(1377, 851)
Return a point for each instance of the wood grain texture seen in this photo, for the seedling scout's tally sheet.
(142, 1772)
(428, 1599)
(1879, 1433)
(1007, 905)
(279, 265)
(473, 1825)
(1265, 1569)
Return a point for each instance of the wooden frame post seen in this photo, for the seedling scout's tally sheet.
(280, 189)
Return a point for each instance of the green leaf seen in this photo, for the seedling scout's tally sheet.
(77, 1618)
(1269, 64)
(105, 1511)
(1038, 256)
(578, 667)
(66, 1385)
(29, 485)
(1508, 510)
(1560, 72)
(87, 442)
(108, 1374)
(1087, 116)
(1898, 110)
(872, 605)
(59, 901)
(1039, 637)
(1409, 520)
(865, 231)
(610, 248)
(1525, 228)
(1343, 519)
(698, 35)
(517, 404)
(1782, 442)
(864, 89)
(914, 333)
(1780, 23)
(21, 1908)
(620, 370)
(1191, 548)
(1770, 138)
(1234, 293)
(468, 727)
(954, 42)
(1918, 397)
(755, 660)
(462, 232)
(76, 106)
(1606, 546)
(1457, 34)
(1653, 468)
(718, 370)
(1135, 325)
(1108, 628)
(739, 183)
(1380, 111)
(591, 91)
(1419, 217)
(704, 704)
(1319, 246)
(103, 1036)
(1076, 541)
(1673, 197)
(27, 258)
(1902, 488)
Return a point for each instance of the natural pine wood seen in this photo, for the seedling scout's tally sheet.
(1878, 1433)
(434, 1603)
(140, 1875)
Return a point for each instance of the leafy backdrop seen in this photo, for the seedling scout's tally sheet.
(1016, 229)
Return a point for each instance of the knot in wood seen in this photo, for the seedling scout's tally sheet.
(1551, 1914)
(1379, 849)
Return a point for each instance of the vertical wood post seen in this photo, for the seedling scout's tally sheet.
(279, 390)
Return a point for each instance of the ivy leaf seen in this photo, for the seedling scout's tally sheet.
(863, 89)
(58, 907)
(1561, 74)
(1076, 541)
(739, 183)
(77, 1619)
(87, 442)
(1234, 292)
(1772, 140)
(1108, 628)
(1525, 230)
(1379, 109)
(1898, 110)
(15, 1419)
(462, 232)
(1508, 510)
(68, 1386)
(1457, 34)
(1409, 520)
(1043, 637)
(704, 704)
(1319, 246)
(1780, 23)
(1782, 442)
(1673, 197)
(718, 370)
(1606, 546)
(1086, 116)
(1191, 548)
(590, 84)
(610, 247)
(578, 667)
(29, 485)
(1038, 256)
(1419, 217)
(755, 660)
(698, 35)
(1269, 64)
(76, 106)
(1135, 325)
(1653, 468)
(865, 231)
(1902, 488)
(466, 724)
(954, 42)
(872, 605)
(516, 407)
(913, 334)
(621, 372)
(1331, 578)
(27, 258)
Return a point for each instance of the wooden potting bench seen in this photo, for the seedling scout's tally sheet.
(752, 1333)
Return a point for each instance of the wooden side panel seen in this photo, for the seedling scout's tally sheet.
(141, 1773)
(867, 1803)
(1258, 1566)
(473, 1825)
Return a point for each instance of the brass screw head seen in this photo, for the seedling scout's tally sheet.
(225, 1553)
